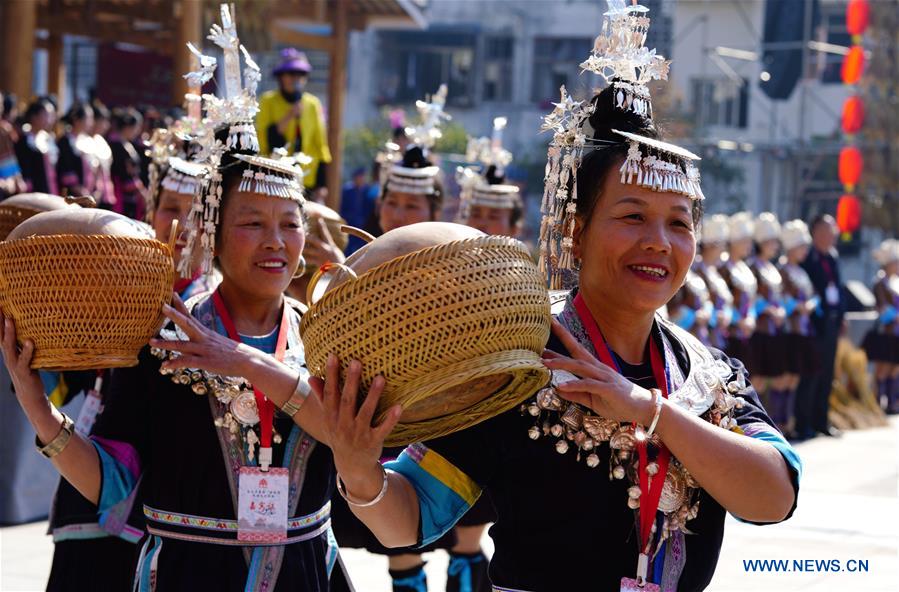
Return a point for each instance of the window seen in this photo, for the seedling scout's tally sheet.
(498, 55)
(720, 101)
(556, 62)
(417, 63)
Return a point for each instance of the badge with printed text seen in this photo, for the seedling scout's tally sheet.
(262, 505)
(91, 408)
(631, 585)
(832, 294)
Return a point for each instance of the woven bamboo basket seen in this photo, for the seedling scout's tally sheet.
(456, 330)
(87, 301)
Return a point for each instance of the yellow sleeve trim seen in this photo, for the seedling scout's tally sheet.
(447, 473)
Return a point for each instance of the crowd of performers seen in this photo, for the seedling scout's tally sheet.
(153, 474)
(750, 294)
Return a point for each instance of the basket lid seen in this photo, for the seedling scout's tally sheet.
(80, 221)
(408, 239)
(38, 202)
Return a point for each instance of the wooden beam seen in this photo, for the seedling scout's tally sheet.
(56, 68)
(336, 96)
(70, 23)
(282, 34)
(17, 46)
(188, 14)
(148, 10)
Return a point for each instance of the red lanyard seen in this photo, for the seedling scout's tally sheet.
(265, 407)
(825, 265)
(650, 489)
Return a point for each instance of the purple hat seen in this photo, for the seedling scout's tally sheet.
(292, 61)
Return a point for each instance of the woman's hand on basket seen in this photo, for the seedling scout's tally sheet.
(26, 382)
(206, 349)
(355, 443)
(598, 387)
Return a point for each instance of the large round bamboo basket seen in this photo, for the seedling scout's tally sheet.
(88, 301)
(456, 330)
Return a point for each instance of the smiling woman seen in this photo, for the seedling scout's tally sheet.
(199, 446)
(675, 430)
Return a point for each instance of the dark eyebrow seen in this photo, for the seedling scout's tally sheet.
(642, 202)
(247, 209)
(632, 200)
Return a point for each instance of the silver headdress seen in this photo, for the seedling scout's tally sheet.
(427, 132)
(184, 177)
(160, 148)
(232, 116)
(476, 188)
(421, 180)
(620, 57)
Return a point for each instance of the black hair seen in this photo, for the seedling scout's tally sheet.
(9, 102)
(100, 111)
(126, 117)
(35, 107)
(415, 158)
(823, 218)
(77, 112)
(611, 149)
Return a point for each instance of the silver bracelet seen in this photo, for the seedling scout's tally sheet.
(658, 400)
(341, 489)
(300, 392)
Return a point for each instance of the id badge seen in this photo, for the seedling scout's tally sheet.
(262, 505)
(90, 409)
(631, 585)
(832, 294)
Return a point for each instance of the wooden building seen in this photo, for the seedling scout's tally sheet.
(165, 26)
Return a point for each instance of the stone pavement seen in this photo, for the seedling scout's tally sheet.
(848, 512)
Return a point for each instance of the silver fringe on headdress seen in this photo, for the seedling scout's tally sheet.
(620, 57)
(235, 111)
(475, 189)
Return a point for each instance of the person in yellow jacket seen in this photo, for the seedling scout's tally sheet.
(293, 119)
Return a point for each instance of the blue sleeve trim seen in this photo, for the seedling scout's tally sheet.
(117, 482)
(439, 506)
(794, 464)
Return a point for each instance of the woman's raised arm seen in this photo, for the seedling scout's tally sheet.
(78, 461)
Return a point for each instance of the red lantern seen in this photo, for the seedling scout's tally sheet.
(853, 65)
(849, 214)
(850, 168)
(853, 115)
(857, 15)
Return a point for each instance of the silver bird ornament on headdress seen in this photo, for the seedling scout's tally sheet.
(431, 112)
